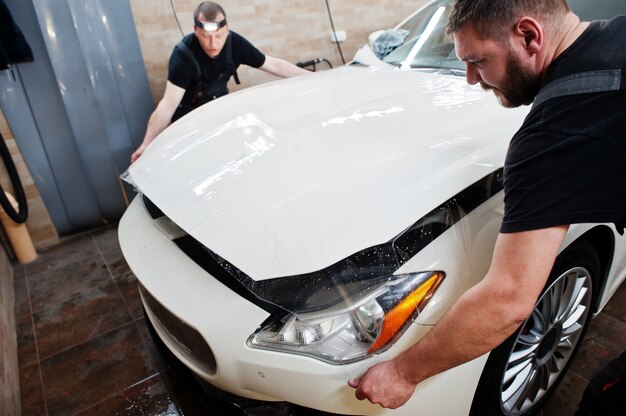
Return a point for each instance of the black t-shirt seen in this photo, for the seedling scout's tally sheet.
(567, 163)
(182, 72)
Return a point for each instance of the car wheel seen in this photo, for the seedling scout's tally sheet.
(525, 370)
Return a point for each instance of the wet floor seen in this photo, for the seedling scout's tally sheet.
(84, 347)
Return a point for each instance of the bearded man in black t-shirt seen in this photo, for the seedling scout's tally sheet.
(565, 165)
(201, 65)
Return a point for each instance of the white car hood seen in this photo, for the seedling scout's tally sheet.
(292, 176)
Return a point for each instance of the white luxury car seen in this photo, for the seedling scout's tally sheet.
(289, 236)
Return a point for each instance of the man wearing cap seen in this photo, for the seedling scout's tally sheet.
(201, 65)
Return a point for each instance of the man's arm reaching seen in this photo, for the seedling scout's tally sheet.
(481, 319)
(160, 117)
(282, 68)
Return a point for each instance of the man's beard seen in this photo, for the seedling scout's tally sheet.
(520, 88)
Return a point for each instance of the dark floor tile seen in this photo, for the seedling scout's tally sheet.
(565, 400)
(116, 263)
(125, 280)
(31, 391)
(79, 319)
(68, 251)
(155, 356)
(149, 397)
(19, 270)
(605, 340)
(616, 307)
(22, 302)
(55, 286)
(130, 292)
(26, 348)
(106, 238)
(77, 379)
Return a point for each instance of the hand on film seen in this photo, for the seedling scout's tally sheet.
(383, 385)
(136, 154)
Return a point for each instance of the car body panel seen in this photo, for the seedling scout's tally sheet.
(181, 285)
(281, 135)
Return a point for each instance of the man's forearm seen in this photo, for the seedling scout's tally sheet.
(157, 123)
(282, 68)
(477, 323)
(161, 116)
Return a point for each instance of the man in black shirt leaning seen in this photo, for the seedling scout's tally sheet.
(565, 165)
(201, 65)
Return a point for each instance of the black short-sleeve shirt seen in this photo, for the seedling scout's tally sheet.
(567, 163)
(182, 72)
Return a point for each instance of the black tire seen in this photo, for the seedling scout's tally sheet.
(536, 357)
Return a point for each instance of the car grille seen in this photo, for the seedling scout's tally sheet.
(183, 337)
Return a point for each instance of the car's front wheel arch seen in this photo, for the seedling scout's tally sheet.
(602, 238)
(534, 359)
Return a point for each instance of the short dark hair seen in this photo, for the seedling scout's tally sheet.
(494, 18)
(209, 10)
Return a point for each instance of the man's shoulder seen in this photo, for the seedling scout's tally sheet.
(188, 39)
(235, 35)
(186, 51)
(598, 48)
(245, 52)
(238, 39)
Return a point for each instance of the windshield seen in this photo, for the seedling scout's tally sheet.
(426, 45)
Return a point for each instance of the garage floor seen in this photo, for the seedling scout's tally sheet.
(84, 347)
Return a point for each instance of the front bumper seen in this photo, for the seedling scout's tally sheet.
(225, 321)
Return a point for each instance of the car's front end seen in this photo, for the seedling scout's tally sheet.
(291, 235)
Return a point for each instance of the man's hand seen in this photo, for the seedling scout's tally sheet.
(383, 384)
(137, 153)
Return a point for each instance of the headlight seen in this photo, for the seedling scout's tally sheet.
(362, 322)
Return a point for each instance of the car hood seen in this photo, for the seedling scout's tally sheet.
(292, 176)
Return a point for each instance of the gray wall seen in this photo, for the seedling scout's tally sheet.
(78, 111)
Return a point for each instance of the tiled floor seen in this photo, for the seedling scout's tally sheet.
(84, 347)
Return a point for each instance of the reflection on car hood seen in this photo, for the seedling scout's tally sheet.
(292, 176)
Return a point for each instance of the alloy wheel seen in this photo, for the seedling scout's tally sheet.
(546, 342)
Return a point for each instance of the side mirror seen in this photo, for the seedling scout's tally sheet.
(373, 36)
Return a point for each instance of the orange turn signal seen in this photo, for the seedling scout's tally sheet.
(397, 317)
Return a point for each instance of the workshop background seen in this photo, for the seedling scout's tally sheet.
(71, 119)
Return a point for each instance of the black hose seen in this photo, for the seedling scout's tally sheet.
(175, 13)
(332, 25)
(21, 216)
(313, 62)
